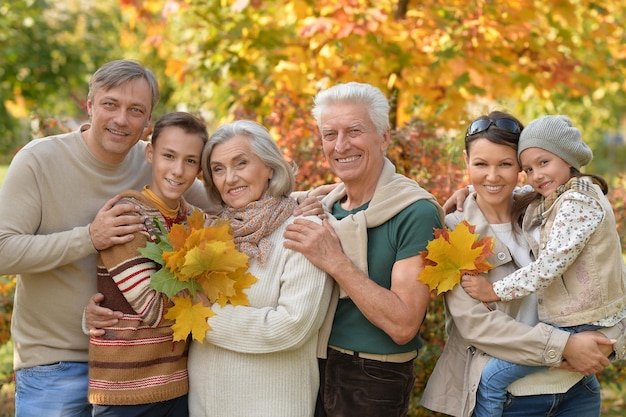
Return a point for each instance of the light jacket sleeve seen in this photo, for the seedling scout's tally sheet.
(500, 335)
(496, 331)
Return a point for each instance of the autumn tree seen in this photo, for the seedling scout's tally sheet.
(441, 64)
(49, 50)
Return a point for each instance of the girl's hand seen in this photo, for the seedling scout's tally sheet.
(479, 288)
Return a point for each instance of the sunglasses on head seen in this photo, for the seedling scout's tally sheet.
(480, 125)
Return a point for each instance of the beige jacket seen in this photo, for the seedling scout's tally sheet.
(475, 333)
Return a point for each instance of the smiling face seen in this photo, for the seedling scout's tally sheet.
(118, 118)
(175, 159)
(239, 175)
(352, 146)
(545, 170)
(493, 171)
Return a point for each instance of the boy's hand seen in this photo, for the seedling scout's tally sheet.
(97, 317)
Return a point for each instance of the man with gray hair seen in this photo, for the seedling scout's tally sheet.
(371, 246)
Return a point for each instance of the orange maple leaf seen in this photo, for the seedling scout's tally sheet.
(454, 253)
(177, 236)
(216, 283)
(189, 319)
(196, 220)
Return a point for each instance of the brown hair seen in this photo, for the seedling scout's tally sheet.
(186, 121)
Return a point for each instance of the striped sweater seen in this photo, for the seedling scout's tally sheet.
(136, 361)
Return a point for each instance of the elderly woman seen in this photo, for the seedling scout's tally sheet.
(260, 359)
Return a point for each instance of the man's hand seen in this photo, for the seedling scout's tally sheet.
(479, 288)
(97, 317)
(318, 242)
(398, 311)
(115, 224)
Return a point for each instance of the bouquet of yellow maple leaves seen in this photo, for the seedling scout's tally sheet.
(195, 258)
(451, 254)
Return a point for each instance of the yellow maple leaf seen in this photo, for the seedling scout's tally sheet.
(220, 230)
(189, 319)
(216, 283)
(199, 259)
(243, 279)
(174, 261)
(213, 256)
(454, 253)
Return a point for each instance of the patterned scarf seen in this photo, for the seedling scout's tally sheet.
(253, 223)
(583, 184)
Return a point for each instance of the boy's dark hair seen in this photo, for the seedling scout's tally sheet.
(186, 121)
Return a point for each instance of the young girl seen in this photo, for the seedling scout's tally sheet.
(579, 273)
(136, 368)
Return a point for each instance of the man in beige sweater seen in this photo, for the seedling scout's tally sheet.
(56, 212)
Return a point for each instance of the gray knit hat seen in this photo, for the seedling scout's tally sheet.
(556, 134)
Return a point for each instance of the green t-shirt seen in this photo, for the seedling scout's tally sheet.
(404, 235)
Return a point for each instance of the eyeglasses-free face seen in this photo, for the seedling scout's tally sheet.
(480, 125)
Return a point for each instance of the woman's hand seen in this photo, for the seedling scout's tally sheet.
(309, 206)
(587, 352)
(479, 288)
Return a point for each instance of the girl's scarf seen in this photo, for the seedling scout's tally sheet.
(252, 224)
(582, 184)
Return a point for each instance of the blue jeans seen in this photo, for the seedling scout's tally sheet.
(582, 400)
(56, 390)
(353, 386)
(498, 374)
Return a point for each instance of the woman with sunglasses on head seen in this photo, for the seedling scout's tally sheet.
(579, 274)
(507, 330)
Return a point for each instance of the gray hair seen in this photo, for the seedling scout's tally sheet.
(353, 92)
(116, 73)
(283, 181)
